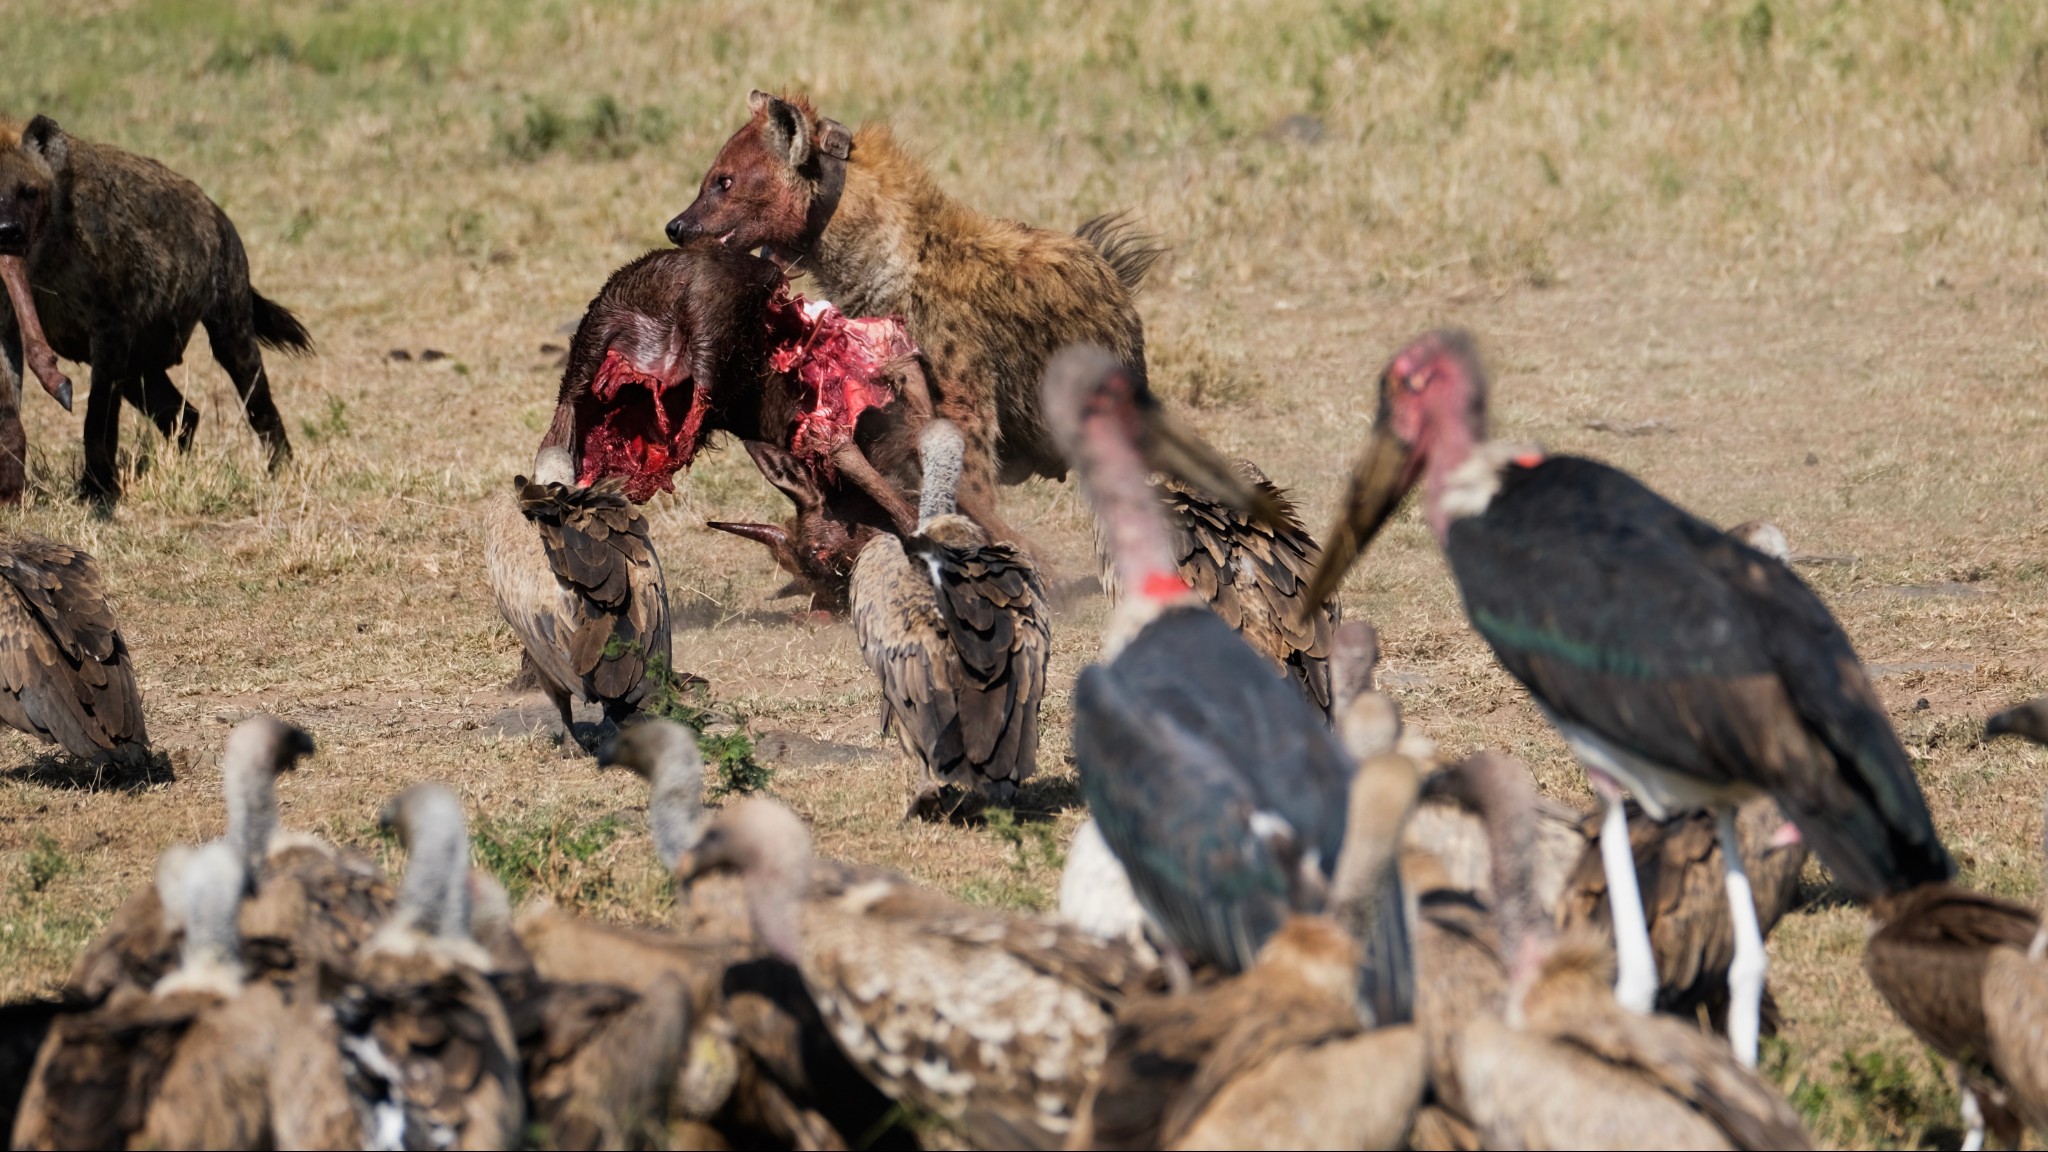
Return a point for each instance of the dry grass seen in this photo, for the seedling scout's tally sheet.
(1807, 238)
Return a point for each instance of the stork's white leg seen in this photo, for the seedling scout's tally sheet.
(1973, 1119)
(1746, 972)
(1635, 982)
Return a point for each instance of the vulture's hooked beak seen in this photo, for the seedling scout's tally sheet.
(1171, 446)
(1381, 478)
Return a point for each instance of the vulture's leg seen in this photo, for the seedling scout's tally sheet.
(925, 802)
(1746, 972)
(1635, 983)
(565, 704)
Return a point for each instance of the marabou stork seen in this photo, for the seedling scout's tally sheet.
(1216, 783)
(1279, 1057)
(1680, 664)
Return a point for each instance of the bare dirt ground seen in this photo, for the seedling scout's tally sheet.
(1787, 266)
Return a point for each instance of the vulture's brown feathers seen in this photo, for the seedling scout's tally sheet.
(65, 674)
(579, 581)
(957, 629)
(1252, 574)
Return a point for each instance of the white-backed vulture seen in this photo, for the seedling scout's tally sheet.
(1567, 1066)
(306, 890)
(993, 1023)
(185, 1064)
(428, 1053)
(761, 1061)
(957, 630)
(1253, 573)
(577, 578)
(65, 674)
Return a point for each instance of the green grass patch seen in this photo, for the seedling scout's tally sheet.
(44, 862)
(722, 737)
(551, 854)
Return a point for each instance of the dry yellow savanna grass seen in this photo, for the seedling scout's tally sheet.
(1796, 247)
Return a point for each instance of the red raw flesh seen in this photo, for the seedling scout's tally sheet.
(632, 427)
(839, 360)
(635, 434)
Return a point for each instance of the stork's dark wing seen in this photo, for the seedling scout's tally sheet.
(902, 638)
(1179, 818)
(994, 611)
(597, 544)
(65, 674)
(1652, 628)
(1190, 667)
(1255, 576)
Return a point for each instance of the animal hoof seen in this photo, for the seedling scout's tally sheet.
(100, 495)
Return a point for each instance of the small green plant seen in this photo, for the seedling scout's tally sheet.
(46, 862)
(1868, 1099)
(1027, 839)
(607, 129)
(1757, 26)
(729, 753)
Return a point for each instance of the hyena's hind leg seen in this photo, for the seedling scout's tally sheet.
(231, 332)
(162, 404)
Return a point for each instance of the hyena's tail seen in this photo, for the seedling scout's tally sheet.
(1131, 253)
(278, 328)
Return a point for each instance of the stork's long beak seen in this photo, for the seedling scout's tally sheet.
(1171, 446)
(2029, 720)
(1382, 476)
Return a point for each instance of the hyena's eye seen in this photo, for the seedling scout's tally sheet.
(725, 183)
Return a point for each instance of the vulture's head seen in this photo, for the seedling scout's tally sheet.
(768, 847)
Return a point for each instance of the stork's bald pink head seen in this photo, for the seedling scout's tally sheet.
(1433, 386)
(1432, 412)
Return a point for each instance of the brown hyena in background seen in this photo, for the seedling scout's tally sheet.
(124, 257)
(989, 301)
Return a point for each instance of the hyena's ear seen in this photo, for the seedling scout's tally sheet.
(43, 138)
(784, 128)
